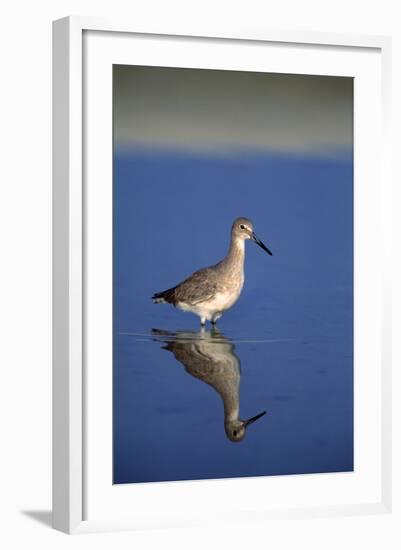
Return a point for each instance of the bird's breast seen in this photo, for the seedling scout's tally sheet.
(228, 295)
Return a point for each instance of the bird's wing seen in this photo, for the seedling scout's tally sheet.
(200, 287)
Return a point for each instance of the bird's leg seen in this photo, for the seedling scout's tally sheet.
(203, 321)
(215, 317)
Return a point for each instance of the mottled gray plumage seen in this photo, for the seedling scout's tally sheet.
(212, 290)
(198, 287)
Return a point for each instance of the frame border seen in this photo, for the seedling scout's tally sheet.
(68, 253)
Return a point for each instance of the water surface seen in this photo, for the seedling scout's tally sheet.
(290, 332)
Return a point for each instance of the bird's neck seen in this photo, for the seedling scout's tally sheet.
(231, 411)
(236, 254)
(230, 397)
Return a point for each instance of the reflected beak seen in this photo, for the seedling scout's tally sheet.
(259, 243)
(254, 418)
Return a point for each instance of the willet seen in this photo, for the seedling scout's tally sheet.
(212, 290)
(209, 356)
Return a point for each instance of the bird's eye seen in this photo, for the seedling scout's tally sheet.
(242, 226)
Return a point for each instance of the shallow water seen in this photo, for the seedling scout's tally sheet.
(169, 423)
(286, 346)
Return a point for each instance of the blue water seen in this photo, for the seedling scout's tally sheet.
(290, 331)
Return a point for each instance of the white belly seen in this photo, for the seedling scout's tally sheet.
(223, 300)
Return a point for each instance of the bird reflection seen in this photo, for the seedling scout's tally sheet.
(210, 357)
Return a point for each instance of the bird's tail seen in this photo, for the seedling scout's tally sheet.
(165, 297)
(158, 298)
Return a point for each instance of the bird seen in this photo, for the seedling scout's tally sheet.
(211, 291)
(209, 356)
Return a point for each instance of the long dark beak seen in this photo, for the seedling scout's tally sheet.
(259, 243)
(254, 418)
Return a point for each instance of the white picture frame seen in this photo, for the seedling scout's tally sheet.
(73, 473)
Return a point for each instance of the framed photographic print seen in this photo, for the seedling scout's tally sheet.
(221, 304)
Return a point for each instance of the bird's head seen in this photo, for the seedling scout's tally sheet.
(236, 429)
(243, 229)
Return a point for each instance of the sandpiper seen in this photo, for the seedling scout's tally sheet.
(210, 357)
(212, 290)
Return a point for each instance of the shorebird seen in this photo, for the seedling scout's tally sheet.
(212, 290)
(209, 356)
